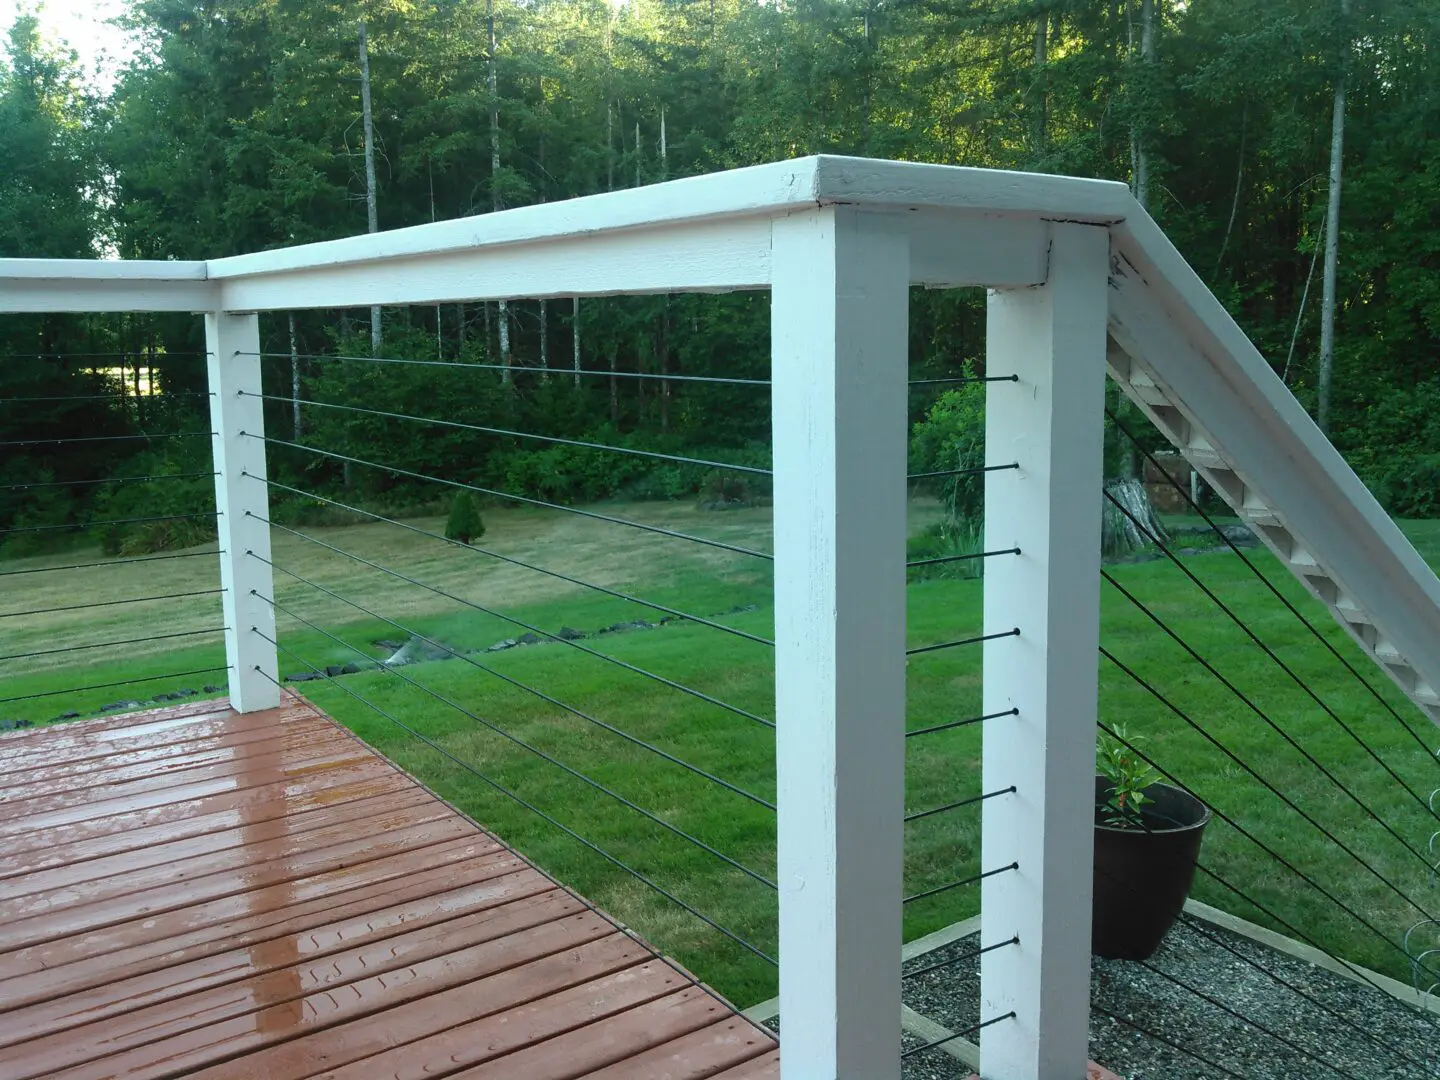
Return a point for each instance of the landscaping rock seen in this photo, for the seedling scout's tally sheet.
(529, 639)
(167, 697)
(389, 646)
(13, 725)
(350, 669)
(304, 676)
(1239, 535)
(66, 716)
(334, 669)
(212, 689)
(570, 634)
(501, 646)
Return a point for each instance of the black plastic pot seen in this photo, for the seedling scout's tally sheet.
(1142, 875)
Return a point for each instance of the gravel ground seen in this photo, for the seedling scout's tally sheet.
(1405, 1043)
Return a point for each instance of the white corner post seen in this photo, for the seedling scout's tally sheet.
(242, 499)
(1051, 424)
(839, 341)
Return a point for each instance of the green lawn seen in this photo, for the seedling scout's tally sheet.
(943, 686)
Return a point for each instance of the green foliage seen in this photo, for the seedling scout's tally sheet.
(1129, 775)
(950, 437)
(464, 523)
(185, 508)
(947, 540)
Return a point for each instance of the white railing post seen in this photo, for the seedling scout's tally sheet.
(233, 344)
(839, 336)
(1050, 422)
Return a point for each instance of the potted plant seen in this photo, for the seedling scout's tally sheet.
(1147, 840)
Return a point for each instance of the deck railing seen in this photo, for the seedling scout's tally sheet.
(1080, 282)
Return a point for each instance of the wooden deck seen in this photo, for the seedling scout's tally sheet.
(192, 892)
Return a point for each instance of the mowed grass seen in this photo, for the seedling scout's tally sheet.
(459, 704)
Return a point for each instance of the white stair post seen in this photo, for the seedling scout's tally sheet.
(839, 338)
(233, 362)
(1050, 422)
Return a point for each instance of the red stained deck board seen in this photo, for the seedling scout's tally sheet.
(192, 892)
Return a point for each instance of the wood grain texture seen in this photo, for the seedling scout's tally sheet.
(196, 892)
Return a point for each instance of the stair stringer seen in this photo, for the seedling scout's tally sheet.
(1186, 364)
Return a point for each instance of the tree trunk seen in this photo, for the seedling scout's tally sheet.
(1147, 58)
(370, 207)
(495, 200)
(294, 381)
(614, 388)
(664, 356)
(1332, 242)
(1042, 104)
(609, 146)
(575, 336)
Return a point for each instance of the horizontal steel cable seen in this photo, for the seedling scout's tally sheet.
(517, 368)
(969, 954)
(106, 480)
(597, 372)
(109, 685)
(581, 714)
(1274, 589)
(110, 603)
(111, 562)
(556, 574)
(962, 723)
(963, 641)
(118, 354)
(1234, 824)
(965, 379)
(975, 471)
(972, 801)
(591, 845)
(1167, 1042)
(582, 777)
(111, 521)
(114, 644)
(1241, 696)
(962, 558)
(1271, 654)
(957, 1035)
(652, 455)
(513, 498)
(962, 882)
(51, 399)
(699, 695)
(108, 438)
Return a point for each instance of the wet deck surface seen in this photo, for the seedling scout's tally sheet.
(190, 892)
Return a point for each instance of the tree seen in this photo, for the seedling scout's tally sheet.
(465, 523)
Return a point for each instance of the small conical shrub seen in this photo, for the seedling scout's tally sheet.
(464, 524)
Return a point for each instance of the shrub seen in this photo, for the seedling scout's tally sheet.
(946, 540)
(465, 524)
(952, 436)
(168, 496)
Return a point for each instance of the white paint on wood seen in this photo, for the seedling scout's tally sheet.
(1171, 327)
(85, 293)
(689, 257)
(839, 343)
(242, 498)
(1049, 422)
